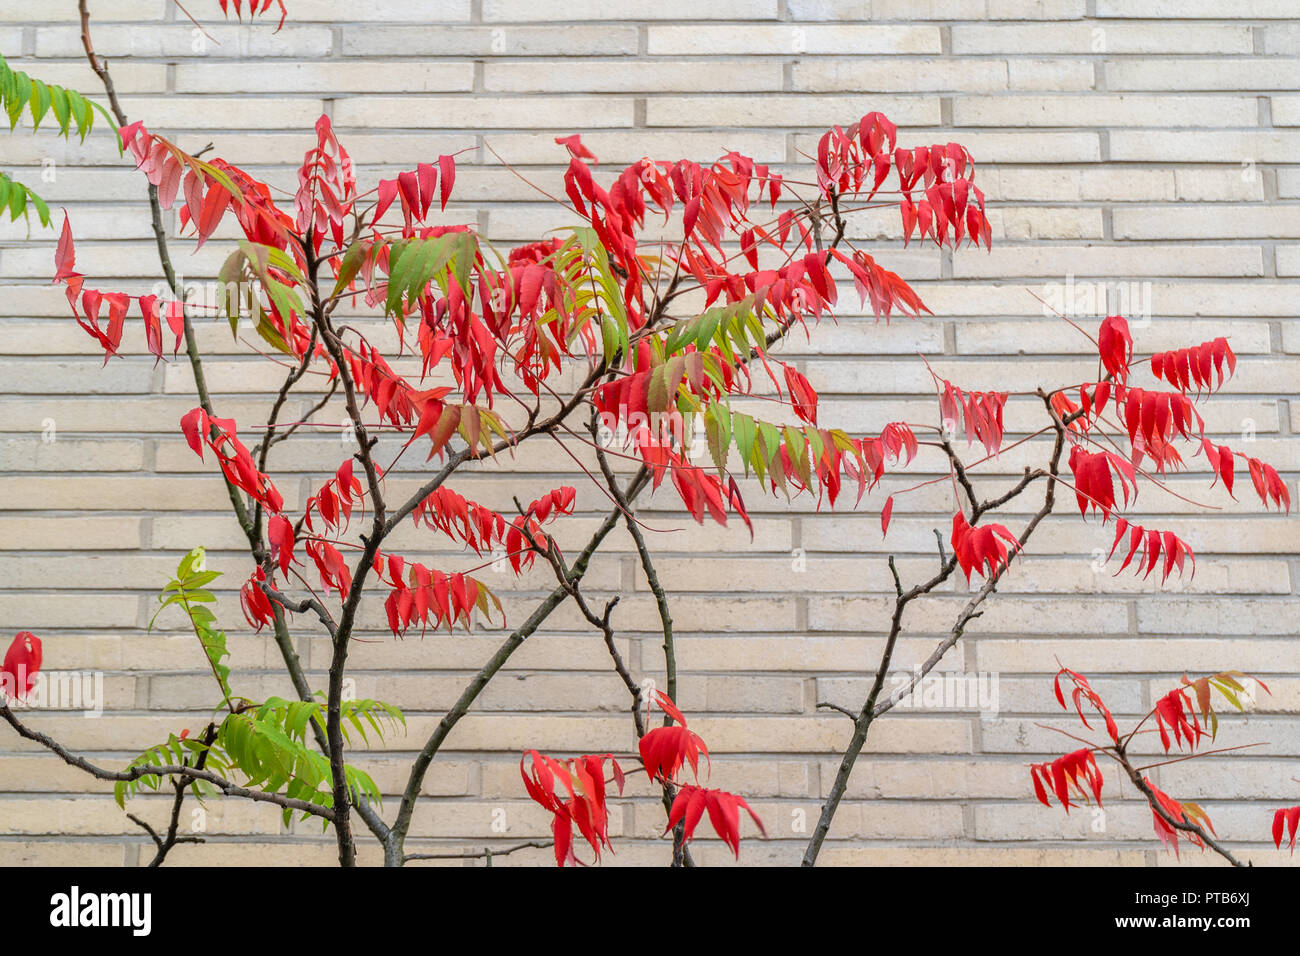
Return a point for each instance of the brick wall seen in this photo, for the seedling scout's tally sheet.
(1147, 145)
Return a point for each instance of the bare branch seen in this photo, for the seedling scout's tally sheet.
(487, 853)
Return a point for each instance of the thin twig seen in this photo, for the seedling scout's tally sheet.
(487, 853)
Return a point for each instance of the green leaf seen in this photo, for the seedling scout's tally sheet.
(39, 103)
(62, 108)
(185, 591)
(81, 113)
(742, 427)
(608, 301)
(14, 198)
(414, 263)
(17, 203)
(717, 429)
(796, 446)
(350, 266)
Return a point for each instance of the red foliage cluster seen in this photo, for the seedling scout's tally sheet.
(665, 752)
(1184, 717)
(235, 460)
(1093, 484)
(979, 412)
(254, 9)
(583, 779)
(1186, 813)
(981, 547)
(1151, 543)
(1076, 771)
(1288, 817)
(430, 596)
(1183, 368)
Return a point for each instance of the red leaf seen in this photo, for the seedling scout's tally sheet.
(1267, 483)
(1093, 482)
(254, 602)
(582, 802)
(1083, 692)
(1076, 771)
(194, 425)
(980, 414)
(723, 808)
(387, 192)
(664, 750)
(1183, 368)
(447, 165)
(1290, 818)
(981, 547)
(254, 10)
(1172, 713)
(1115, 344)
(574, 145)
(803, 396)
(1151, 543)
(65, 255)
(21, 664)
(279, 532)
(334, 573)
(1178, 812)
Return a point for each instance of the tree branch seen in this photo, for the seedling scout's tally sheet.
(871, 709)
(487, 853)
(393, 853)
(149, 770)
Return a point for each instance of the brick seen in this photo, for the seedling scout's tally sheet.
(1083, 38)
(1229, 222)
(148, 10)
(625, 76)
(970, 75)
(1202, 74)
(309, 76)
(1207, 9)
(178, 40)
(63, 853)
(483, 113)
(784, 111)
(521, 11)
(1153, 653)
(1050, 75)
(1233, 146)
(979, 856)
(74, 533)
(1282, 39)
(839, 10)
(1215, 185)
(1098, 109)
(383, 11)
(1041, 259)
(495, 41)
(1286, 110)
(813, 39)
(1288, 261)
(36, 454)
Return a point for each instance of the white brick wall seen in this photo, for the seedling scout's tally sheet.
(1119, 140)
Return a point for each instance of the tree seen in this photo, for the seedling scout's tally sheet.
(659, 336)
